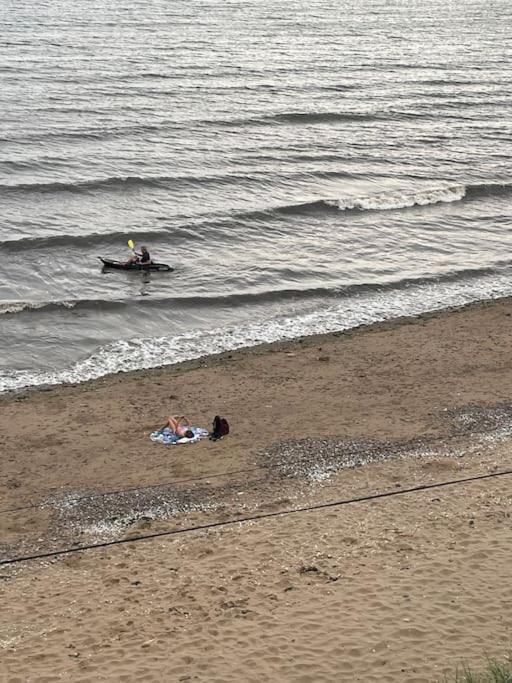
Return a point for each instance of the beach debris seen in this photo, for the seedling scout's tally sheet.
(309, 568)
(316, 571)
(319, 458)
(481, 420)
(233, 604)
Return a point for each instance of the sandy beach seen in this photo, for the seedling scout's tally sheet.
(401, 588)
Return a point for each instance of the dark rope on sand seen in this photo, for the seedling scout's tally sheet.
(254, 518)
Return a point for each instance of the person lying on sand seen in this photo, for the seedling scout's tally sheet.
(180, 426)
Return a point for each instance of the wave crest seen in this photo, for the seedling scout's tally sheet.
(399, 199)
(402, 199)
(383, 201)
(12, 307)
(112, 182)
(240, 299)
(134, 354)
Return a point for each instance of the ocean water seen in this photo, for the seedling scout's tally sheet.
(304, 166)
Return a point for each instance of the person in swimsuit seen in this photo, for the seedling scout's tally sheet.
(180, 426)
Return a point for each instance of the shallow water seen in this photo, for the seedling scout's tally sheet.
(304, 166)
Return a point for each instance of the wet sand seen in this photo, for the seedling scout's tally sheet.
(401, 589)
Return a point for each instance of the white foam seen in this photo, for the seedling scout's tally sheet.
(402, 199)
(132, 354)
(17, 306)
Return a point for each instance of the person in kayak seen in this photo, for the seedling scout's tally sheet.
(144, 258)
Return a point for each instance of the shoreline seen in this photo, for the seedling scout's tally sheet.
(256, 349)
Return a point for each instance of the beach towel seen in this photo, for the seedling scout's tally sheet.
(169, 438)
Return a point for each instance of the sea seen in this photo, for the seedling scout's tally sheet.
(305, 167)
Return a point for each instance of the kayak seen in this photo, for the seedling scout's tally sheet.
(119, 265)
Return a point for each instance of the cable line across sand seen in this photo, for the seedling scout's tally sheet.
(253, 518)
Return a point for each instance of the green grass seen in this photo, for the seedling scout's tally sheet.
(496, 672)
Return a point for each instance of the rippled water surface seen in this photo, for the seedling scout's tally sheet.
(304, 166)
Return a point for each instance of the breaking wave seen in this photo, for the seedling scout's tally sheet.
(384, 201)
(403, 200)
(399, 199)
(218, 224)
(250, 298)
(139, 353)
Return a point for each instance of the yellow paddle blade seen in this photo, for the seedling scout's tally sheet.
(131, 244)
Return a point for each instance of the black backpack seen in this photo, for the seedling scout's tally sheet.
(220, 428)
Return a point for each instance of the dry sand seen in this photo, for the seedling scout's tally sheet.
(397, 589)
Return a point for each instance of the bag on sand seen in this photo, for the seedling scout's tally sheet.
(220, 428)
